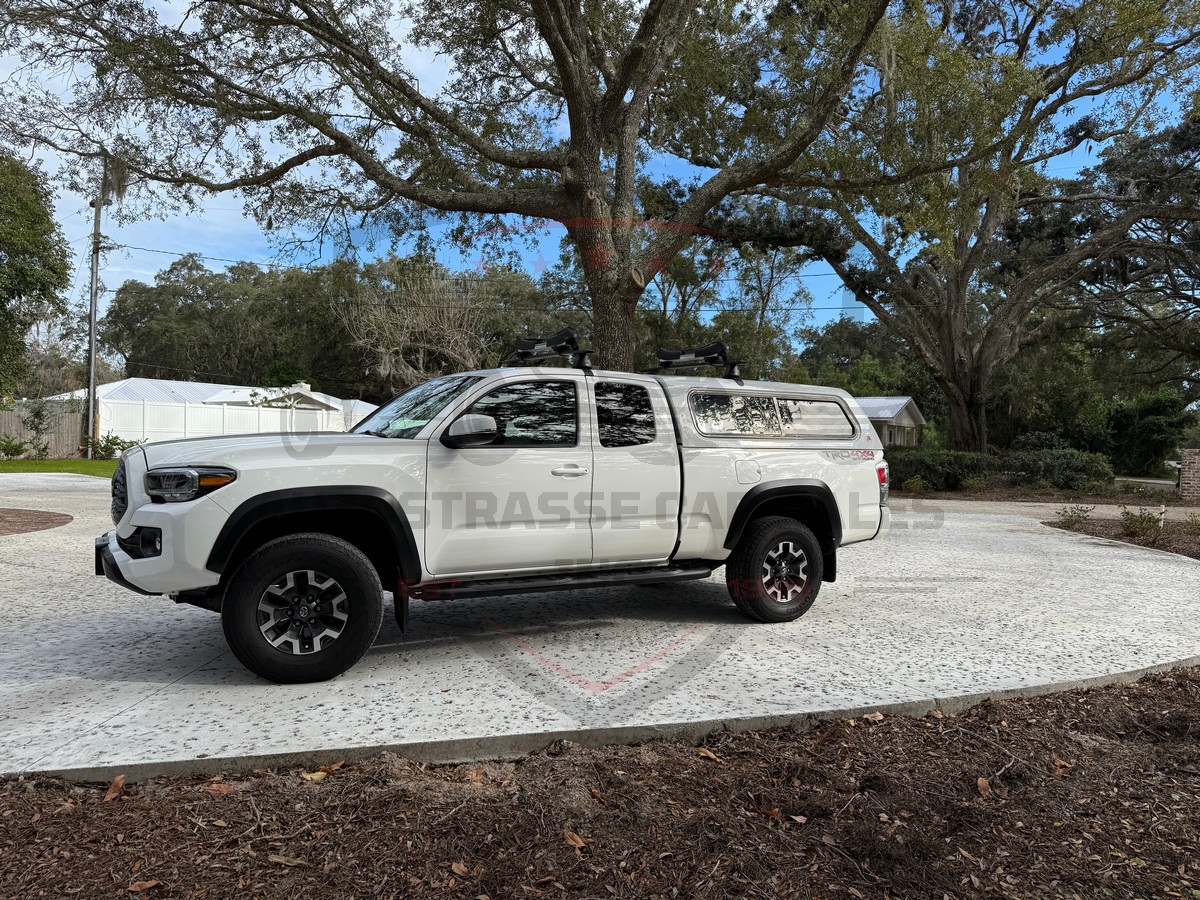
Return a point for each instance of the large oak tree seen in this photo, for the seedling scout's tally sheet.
(954, 260)
(567, 111)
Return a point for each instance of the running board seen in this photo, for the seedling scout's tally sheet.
(461, 590)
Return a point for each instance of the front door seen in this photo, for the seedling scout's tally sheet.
(523, 501)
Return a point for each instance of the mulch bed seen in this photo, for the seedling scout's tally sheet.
(1085, 794)
(1011, 494)
(1176, 537)
(19, 521)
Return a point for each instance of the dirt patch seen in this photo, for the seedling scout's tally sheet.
(1176, 537)
(19, 521)
(1090, 793)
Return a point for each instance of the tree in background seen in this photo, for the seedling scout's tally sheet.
(1004, 88)
(34, 265)
(549, 111)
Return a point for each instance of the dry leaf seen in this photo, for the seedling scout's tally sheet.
(1060, 768)
(459, 868)
(874, 717)
(969, 856)
(286, 860)
(985, 787)
(138, 886)
(708, 754)
(936, 713)
(220, 787)
(115, 789)
(599, 796)
(319, 775)
(828, 839)
(332, 767)
(855, 892)
(799, 820)
(771, 812)
(475, 776)
(574, 840)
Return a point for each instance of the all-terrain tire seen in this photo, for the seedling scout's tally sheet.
(302, 608)
(788, 556)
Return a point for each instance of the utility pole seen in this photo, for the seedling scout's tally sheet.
(98, 206)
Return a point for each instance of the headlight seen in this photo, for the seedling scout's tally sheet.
(178, 485)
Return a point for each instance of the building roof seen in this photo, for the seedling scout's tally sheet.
(888, 408)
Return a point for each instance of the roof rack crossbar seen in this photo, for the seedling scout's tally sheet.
(564, 345)
(713, 355)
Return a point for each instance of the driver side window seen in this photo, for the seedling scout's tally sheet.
(532, 414)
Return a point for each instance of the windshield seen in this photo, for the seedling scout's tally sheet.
(411, 411)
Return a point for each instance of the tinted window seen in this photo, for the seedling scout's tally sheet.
(531, 414)
(731, 414)
(625, 415)
(814, 418)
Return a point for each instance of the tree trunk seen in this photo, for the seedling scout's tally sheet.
(968, 420)
(614, 328)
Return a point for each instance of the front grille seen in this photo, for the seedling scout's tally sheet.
(120, 493)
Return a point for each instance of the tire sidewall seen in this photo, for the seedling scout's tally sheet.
(745, 580)
(338, 559)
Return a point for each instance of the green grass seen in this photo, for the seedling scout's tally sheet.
(101, 467)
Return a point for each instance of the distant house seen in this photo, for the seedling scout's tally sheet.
(155, 409)
(897, 420)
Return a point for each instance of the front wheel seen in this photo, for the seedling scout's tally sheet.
(774, 573)
(305, 607)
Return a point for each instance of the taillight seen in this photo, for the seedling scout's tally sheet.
(882, 471)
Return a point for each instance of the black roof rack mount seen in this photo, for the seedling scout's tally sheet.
(563, 345)
(713, 355)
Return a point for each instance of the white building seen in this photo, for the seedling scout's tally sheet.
(154, 409)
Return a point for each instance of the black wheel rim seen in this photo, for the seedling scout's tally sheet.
(303, 612)
(785, 572)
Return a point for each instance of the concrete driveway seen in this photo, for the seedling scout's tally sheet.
(956, 603)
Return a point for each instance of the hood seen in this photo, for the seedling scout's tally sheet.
(252, 448)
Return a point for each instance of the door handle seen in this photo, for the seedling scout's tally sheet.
(569, 471)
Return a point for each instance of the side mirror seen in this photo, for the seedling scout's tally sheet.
(470, 430)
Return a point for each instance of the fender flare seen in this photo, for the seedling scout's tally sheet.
(797, 488)
(372, 501)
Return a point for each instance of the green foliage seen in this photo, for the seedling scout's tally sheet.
(101, 468)
(1065, 469)
(1073, 516)
(914, 485)
(974, 484)
(110, 446)
(1143, 524)
(941, 470)
(1039, 440)
(1147, 430)
(1191, 524)
(37, 417)
(34, 263)
(11, 447)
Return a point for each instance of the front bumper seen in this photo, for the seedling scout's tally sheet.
(106, 565)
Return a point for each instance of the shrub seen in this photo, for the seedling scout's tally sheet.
(1192, 524)
(1039, 440)
(941, 470)
(1065, 469)
(1143, 524)
(974, 484)
(110, 446)
(914, 485)
(1074, 516)
(11, 447)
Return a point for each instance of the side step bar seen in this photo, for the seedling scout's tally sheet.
(461, 590)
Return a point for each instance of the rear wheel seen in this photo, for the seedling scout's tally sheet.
(303, 608)
(774, 573)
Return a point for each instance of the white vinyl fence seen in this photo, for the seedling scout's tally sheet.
(145, 421)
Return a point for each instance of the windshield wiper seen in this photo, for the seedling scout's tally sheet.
(375, 433)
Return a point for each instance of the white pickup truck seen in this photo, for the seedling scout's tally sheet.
(512, 480)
